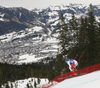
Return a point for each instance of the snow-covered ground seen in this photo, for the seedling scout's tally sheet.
(32, 58)
(23, 83)
(90, 80)
(41, 47)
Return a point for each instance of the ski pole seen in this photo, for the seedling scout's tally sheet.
(75, 56)
(80, 59)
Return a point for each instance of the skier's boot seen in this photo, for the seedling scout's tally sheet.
(73, 73)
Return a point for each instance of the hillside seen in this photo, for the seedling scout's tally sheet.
(33, 33)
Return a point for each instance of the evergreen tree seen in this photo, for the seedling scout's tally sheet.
(60, 65)
(91, 35)
(7, 86)
(41, 72)
(73, 23)
(31, 86)
(97, 56)
(28, 86)
(0, 85)
(87, 38)
(83, 40)
(35, 83)
(11, 85)
(84, 37)
(83, 34)
(38, 81)
(63, 35)
(64, 38)
(74, 27)
(1, 75)
(15, 85)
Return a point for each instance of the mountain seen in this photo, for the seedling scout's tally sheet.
(15, 19)
(31, 35)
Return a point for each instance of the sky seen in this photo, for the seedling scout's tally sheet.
(41, 4)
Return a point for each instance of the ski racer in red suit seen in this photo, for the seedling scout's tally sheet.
(72, 65)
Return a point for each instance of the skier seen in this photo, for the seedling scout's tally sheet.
(72, 65)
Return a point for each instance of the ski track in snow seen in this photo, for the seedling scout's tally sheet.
(90, 80)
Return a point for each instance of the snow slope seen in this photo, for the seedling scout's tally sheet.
(90, 80)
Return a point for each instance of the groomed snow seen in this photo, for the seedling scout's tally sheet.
(90, 80)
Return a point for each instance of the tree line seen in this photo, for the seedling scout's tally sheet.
(10, 72)
(80, 35)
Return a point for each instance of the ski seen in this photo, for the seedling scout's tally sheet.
(69, 76)
(72, 76)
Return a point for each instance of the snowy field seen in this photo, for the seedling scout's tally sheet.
(90, 80)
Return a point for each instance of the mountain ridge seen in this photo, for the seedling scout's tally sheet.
(33, 34)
